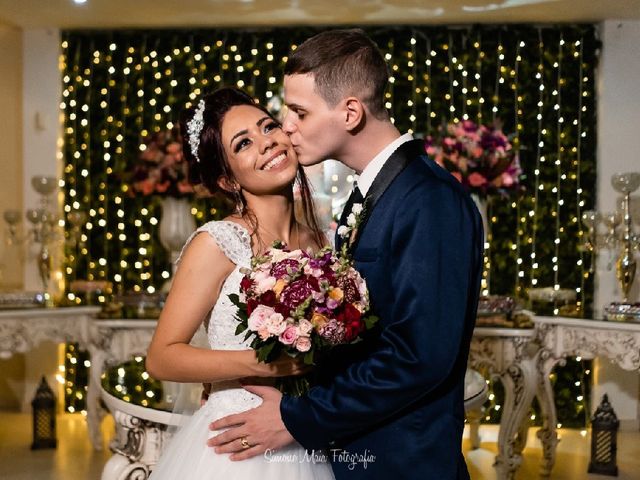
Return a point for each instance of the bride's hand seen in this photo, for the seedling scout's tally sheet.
(283, 366)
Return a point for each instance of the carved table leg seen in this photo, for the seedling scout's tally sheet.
(521, 437)
(95, 413)
(473, 418)
(520, 385)
(547, 433)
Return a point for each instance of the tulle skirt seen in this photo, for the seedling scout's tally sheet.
(187, 457)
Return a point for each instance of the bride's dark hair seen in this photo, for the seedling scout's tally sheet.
(211, 162)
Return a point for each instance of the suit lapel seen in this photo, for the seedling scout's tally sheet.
(397, 162)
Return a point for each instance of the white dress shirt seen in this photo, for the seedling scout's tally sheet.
(371, 171)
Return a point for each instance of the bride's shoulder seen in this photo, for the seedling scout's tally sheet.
(232, 237)
(226, 227)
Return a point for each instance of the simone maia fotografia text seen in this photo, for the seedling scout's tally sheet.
(336, 455)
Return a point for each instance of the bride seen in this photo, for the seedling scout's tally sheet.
(233, 145)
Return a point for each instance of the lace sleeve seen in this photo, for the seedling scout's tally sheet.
(232, 238)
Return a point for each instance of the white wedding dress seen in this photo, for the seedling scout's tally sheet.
(187, 456)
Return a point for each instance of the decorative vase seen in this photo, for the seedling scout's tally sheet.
(482, 204)
(176, 225)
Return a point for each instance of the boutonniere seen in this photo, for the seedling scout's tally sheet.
(350, 230)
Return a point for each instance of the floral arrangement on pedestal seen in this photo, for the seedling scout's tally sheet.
(161, 168)
(162, 171)
(481, 157)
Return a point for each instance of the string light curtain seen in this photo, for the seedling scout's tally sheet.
(120, 86)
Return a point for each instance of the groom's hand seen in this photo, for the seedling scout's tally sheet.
(255, 431)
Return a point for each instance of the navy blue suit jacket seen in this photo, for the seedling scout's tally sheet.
(394, 403)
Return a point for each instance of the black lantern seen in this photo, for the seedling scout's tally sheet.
(44, 417)
(604, 440)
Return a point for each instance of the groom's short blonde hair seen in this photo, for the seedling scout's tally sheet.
(343, 63)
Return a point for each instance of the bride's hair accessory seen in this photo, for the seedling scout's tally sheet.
(194, 129)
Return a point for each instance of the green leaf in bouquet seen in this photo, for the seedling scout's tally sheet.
(294, 386)
(240, 328)
(235, 299)
(308, 358)
(248, 335)
(370, 321)
(258, 260)
(299, 312)
(263, 352)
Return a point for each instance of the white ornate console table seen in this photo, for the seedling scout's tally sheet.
(523, 361)
(22, 330)
(558, 338)
(108, 341)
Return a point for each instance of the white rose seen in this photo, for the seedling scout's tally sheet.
(304, 326)
(275, 324)
(351, 220)
(356, 209)
(343, 231)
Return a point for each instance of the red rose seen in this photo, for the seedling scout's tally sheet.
(351, 313)
(268, 298)
(245, 284)
(282, 310)
(350, 318)
(352, 330)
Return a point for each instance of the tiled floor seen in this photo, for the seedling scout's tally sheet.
(74, 459)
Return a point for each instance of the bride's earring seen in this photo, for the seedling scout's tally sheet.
(237, 195)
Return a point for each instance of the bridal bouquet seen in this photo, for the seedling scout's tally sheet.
(480, 157)
(300, 303)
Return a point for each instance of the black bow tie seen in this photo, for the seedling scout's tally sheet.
(355, 197)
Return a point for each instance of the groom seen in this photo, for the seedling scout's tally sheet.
(393, 406)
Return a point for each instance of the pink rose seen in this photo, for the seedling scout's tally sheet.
(174, 147)
(476, 180)
(263, 333)
(507, 179)
(289, 335)
(259, 316)
(477, 151)
(185, 187)
(303, 344)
